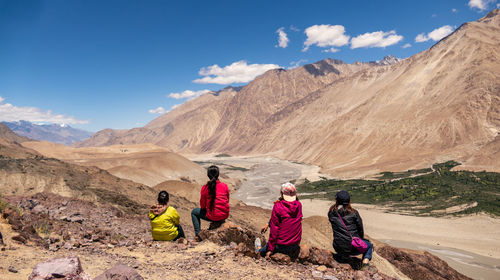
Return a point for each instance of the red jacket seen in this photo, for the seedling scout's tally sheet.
(286, 224)
(221, 206)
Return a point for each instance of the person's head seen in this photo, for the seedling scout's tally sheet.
(163, 197)
(213, 172)
(343, 198)
(343, 201)
(213, 175)
(288, 192)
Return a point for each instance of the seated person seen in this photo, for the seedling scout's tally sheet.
(164, 220)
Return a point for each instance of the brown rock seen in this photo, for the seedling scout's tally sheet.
(322, 257)
(230, 232)
(305, 253)
(13, 218)
(418, 265)
(120, 272)
(321, 268)
(19, 238)
(281, 258)
(68, 268)
(361, 275)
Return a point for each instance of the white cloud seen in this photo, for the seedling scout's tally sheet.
(434, 16)
(10, 113)
(159, 110)
(293, 28)
(454, 10)
(421, 38)
(295, 64)
(435, 35)
(330, 50)
(407, 45)
(237, 72)
(378, 39)
(498, 6)
(481, 5)
(325, 35)
(282, 39)
(188, 94)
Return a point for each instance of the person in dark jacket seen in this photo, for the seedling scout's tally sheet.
(347, 222)
(285, 225)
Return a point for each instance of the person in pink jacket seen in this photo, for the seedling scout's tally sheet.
(214, 201)
(285, 226)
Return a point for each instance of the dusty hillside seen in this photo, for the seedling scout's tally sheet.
(442, 103)
(143, 163)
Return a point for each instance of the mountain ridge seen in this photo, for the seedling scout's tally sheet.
(61, 134)
(439, 104)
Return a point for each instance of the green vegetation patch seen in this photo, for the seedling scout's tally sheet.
(428, 194)
(230, 167)
(223, 155)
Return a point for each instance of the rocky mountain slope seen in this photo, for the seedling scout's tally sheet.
(62, 134)
(352, 119)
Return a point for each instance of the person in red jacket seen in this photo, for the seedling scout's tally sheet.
(285, 226)
(214, 201)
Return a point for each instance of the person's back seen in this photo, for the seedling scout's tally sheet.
(220, 210)
(341, 236)
(164, 226)
(286, 224)
(164, 219)
(214, 201)
(348, 232)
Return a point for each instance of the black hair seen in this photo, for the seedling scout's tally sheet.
(163, 198)
(213, 175)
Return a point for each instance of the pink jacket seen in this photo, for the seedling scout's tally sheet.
(221, 207)
(285, 224)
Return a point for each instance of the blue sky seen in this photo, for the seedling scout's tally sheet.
(115, 64)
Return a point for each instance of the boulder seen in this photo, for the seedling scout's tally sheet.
(19, 238)
(120, 272)
(13, 218)
(230, 232)
(281, 258)
(68, 268)
(322, 257)
(419, 265)
(305, 253)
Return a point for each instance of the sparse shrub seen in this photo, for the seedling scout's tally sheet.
(223, 155)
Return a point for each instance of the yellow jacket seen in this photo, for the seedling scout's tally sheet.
(164, 226)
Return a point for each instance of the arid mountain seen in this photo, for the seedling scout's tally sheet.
(143, 163)
(25, 172)
(196, 122)
(352, 119)
(62, 134)
(9, 144)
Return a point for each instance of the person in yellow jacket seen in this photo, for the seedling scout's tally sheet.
(164, 220)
